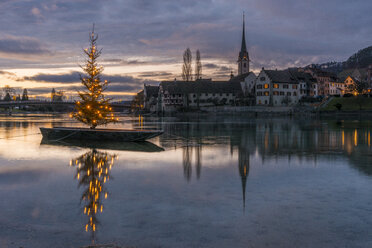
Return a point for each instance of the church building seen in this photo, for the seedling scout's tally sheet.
(245, 77)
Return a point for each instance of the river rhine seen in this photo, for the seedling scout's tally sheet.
(206, 182)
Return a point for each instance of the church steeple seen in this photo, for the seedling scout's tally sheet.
(243, 59)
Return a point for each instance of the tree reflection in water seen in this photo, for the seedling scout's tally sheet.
(93, 171)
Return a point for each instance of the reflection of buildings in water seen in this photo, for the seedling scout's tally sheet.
(93, 171)
(12, 128)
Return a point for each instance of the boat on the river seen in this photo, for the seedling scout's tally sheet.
(121, 135)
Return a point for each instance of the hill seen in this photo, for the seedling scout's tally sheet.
(359, 60)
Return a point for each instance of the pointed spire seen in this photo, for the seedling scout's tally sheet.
(244, 46)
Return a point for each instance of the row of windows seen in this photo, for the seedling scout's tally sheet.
(281, 93)
(203, 94)
(173, 101)
(276, 86)
(276, 93)
(266, 93)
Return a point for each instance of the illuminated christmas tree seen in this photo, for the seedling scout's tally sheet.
(93, 109)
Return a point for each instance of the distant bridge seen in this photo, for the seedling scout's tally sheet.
(10, 104)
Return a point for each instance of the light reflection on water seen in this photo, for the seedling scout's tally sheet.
(222, 182)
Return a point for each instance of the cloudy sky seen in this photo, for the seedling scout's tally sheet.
(41, 41)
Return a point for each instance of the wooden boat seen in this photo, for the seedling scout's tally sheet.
(121, 135)
(144, 146)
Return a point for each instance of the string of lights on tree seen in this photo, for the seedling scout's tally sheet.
(94, 108)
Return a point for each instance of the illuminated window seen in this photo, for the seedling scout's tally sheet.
(266, 86)
(294, 86)
(266, 93)
(276, 86)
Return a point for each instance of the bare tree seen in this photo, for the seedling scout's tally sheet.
(25, 95)
(9, 93)
(186, 68)
(198, 66)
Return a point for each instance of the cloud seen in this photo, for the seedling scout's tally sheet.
(279, 32)
(71, 82)
(156, 74)
(22, 48)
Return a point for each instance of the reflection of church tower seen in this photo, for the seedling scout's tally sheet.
(243, 169)
(243, 59)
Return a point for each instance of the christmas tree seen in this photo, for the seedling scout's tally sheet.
(93, 109)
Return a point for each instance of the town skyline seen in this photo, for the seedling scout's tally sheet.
(41, 43)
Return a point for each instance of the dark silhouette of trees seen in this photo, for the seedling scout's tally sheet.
(186, 67)
(25, 95)
(9, 93)
(198, 66)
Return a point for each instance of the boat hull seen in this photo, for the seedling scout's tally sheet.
(121, 135)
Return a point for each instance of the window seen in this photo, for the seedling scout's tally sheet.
(266, 86)
(259, 102)
(295, 93)
(244, 65)
(259, 93)
(281, 93)
(285, 86)
(179, 95)
(265, 101)
(259, 86)
(288, 93)
(276, 86)
(262, 78)
(266, 93)
(276, 93)
(294, 86)
(220, 94)
(206, 94)
(214, 94)
(194, 95)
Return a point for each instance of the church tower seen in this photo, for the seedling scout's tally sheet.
(243, 59)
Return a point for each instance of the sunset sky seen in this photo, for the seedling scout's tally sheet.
(41, 42)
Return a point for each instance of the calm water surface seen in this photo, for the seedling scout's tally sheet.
(207, 182)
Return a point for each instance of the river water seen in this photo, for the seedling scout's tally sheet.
(206, 182)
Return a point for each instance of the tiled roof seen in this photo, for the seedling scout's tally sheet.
(151, 91)
(280, 76)
(289, 76)
(201, 86)
(241, 78)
